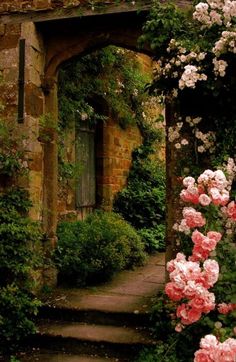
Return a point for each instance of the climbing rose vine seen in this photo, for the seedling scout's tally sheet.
(192, 277)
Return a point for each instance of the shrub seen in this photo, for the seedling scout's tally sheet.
(16, 310)
(93, 250)
(153, 238)
(19, 248)
(142, 202)
(20, 255)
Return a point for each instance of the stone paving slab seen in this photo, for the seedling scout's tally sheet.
(129, 291)
(96, 333)
(44, 356)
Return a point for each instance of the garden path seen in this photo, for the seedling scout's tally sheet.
(102, 323)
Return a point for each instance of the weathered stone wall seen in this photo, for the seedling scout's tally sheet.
(115, 159)
(34, 100)
(33, 5)
(23, 6)
(114, 148)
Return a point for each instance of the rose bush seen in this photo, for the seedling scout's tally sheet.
(192, 276)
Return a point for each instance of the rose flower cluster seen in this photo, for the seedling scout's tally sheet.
(213, 351)
(191, 279)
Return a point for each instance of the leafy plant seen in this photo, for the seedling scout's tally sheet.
(15, 198)
(142, 202)
(12, 157)
(93, 250)
(109, 78)
(153, 238)
(17, 307)
(20, 256)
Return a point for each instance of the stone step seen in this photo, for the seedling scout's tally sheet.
(105, 341)
(49, 356)
(96, 333)
(135, 318)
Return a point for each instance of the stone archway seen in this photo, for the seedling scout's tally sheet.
(50, 41)
(75, 39)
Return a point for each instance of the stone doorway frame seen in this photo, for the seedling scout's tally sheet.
(50, 43)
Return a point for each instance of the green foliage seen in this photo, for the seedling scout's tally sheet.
(210, 99)
(93, 250)
(142, 202)
(109, 78)
(171, 346)
(12, 160)
(20, 256)
(153, 238)
(18, 239)
(16, 310)
(15, 198)
(225, 288)
(165, 22)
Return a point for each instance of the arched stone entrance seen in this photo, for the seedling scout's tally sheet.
(76, 38)
(49, 43)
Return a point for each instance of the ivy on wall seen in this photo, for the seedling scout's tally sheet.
(108, 76)
(106, 83)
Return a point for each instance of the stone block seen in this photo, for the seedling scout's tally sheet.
(32, 76)
(9, 93)
(34, 58)
(42, 4)
(36, 162)
(2, 29)
(34, 100)
(10, 75)
(13, 29)
(8, 58)
(32, 36)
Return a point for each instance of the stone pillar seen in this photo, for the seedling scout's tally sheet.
(49, 139)
(34, 109)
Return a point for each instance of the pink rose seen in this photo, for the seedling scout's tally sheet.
(208, 244)
(215, 195)
(214, 235)
(211, 271)
(231, 210)
(188, 181)
(187, 314)
(204, 200)
(193, 218)
(190, 195)
(199, 254)
(178, 327)
(205, 177)
(197, 237)
(209, 342)
(173, 292)
(202, 356)
(224, 353)
(224, 308)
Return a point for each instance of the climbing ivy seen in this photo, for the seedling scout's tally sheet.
(108, 80)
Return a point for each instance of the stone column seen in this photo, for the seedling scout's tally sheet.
(49, 139)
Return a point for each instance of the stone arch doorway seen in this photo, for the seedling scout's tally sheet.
(107, 144)
(64, 40)
(50, 40)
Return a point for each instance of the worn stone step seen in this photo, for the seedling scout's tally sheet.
(96, 333)
(135, 318)
(49, 356)
(101, 340)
